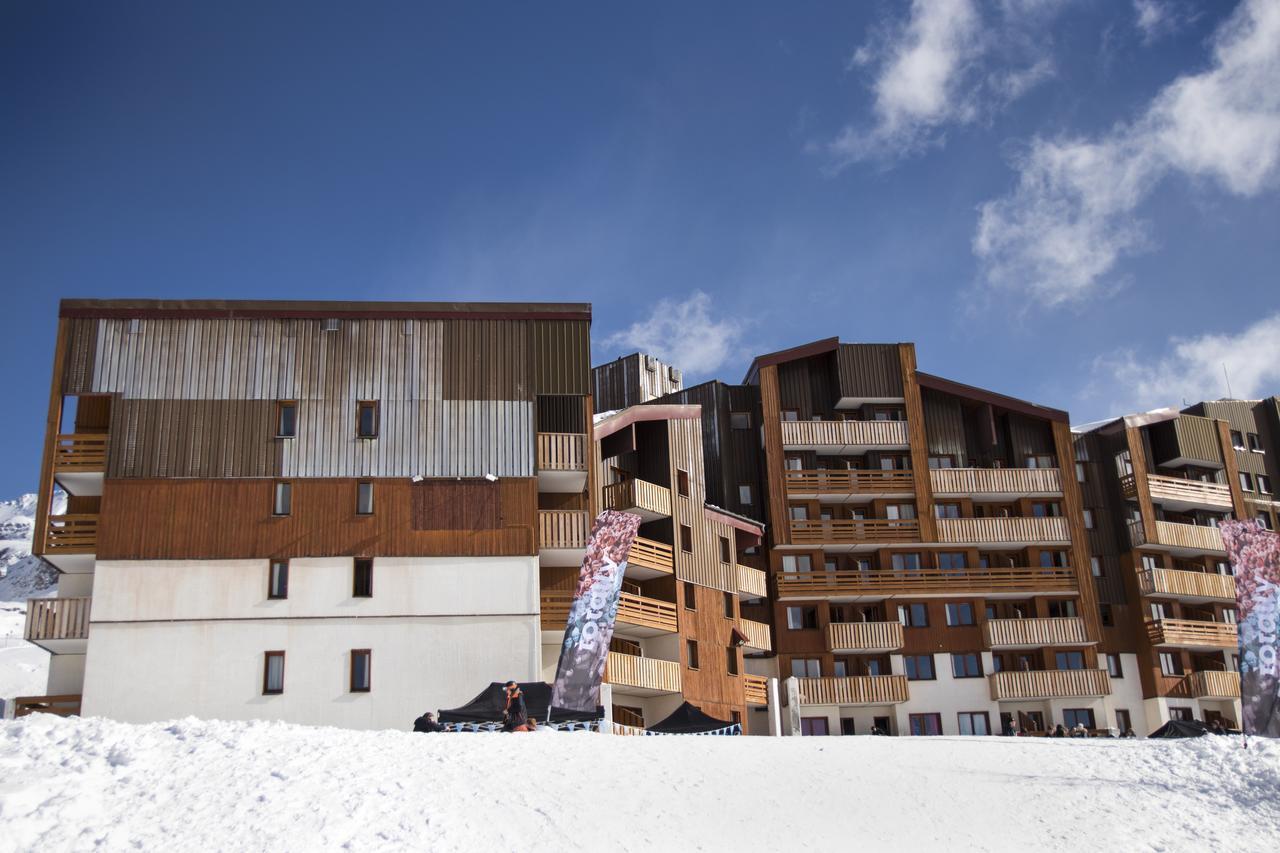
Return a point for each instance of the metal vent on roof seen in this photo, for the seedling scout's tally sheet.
(673, 374)
(650, 363)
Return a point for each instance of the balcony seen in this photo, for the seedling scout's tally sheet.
(1214, 685)
(639, 676)
(63, 706)
(640, 497)
(993, 531)
(1180, 494)
(853, 532)
(562, 536)
(639, 616)
(756, 688)
(1007, 483)
(72, 534)
(1183, 539)
(562, 461)
(80, 461)
(758, 638)
(854, 690)
(1035, 633)
(1198, 587)
(752, 583)
(925, 583)
(58, 625)
(649, 559)
(1192, 634)
(864, 637)
(844, 438)
(1050, 684)
(847, 486)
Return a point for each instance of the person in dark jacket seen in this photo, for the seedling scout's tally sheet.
(1059, 731)
(515, 715)
(427, 723)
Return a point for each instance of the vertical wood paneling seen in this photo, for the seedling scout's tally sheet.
(775, 475)
(1071, 507)
(869, 371)
(944, 426)
(918, 442)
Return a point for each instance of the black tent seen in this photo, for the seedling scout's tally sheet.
(688, 720)
(487, 706)
(1181, 728)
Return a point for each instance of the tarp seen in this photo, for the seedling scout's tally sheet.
(1181, 728)
(487, 707)
(688, 720)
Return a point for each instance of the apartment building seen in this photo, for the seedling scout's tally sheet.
(1155, 487)
(320, 512)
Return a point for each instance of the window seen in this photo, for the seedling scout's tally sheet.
(1171, 663)
(731, 660)
(1246, 481)
(728, 605)
(360, 666)
(690, 596)
(1061, 608)
(1069, 660)
(937, 462)
(790, 415)
(362, 578)
(686, 538)
(1072, 717)
(273, 673)
(364, 498)
(726, 550)
(1264, 518)
(919, 667)
(813, 727)
(367, 419)
(1095, 567)
(1088, 518)
(1123, 721)
(682, 483)
(1264, 484)
(1237, 439)
(286, 419)
(799, 513)
(960, 613)
(802, 618)
(1150, 562)
(913, 615)
(1183, 714)
(797, 563)
(847, 726)
(1255, 443)
(744, 494)
(1105, 615)
(278, 579)
(905, 562)
(1159, 610)
(900, 511)
(739, 420)
(794, 463)
(1079, 472)
(282, 501)
(806, 667)
(1228, 616)
(1041, 460)
(966, 665)
(946, 510)
(691, 653)
(926, 724)
(949, 561)
(839, 668)
(1053, 559)
(1114, 669)
(974, 723)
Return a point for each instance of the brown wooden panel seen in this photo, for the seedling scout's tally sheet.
(870, 370)
(1238, 507)
(779, 528)
(231, 519)
(53, 419)
(454, 505)
(918, 440)
(487, 360)
(82, 343)
(1079, 560)
(711, 684)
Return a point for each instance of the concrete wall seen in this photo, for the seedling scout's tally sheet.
(66, 675)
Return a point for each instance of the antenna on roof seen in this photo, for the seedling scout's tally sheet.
(1228, 378)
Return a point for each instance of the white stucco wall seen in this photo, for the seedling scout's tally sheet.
(66, 675)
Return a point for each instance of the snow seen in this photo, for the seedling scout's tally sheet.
(24, 668)
(77, 784)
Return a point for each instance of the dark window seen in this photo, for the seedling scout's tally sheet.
(1053, 559)
(362, 578)
(806, 667)
(1171, 663)
(1113, 666)
(690, 596)
(739, 420)
(1183, 714)
(1255, 443)
(682, 483)
(691, 652)
(273, 673)
(846, 726)
(919, 667)
(1069, 660)
(744, 494)
(1062, 608)
(974, 723)
(802, 618)
(790, 415)
(960, 613)
(726, 550)
(731, 659)
(1105, 615)
(1237, 439)
(1246, 481)
(364, 498)
(367, 419)
(286, 419)
(813, 726)
(913, 615)
(946, 510)
(950, 561)
(361, 660)
(686, 538)
(278, 579)
(728, 605)
(1123, 721)
(1071, 717)
(282, 500)
(926, 724)
(966, 665)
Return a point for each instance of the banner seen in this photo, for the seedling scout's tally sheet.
(1255, 557)
(594, 609)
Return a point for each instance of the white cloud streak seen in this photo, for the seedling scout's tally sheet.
(1072, 214)
(684, 333)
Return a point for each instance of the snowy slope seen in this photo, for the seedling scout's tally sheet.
(24, 668)
(194, 785)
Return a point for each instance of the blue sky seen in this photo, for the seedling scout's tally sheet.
(1072, 201)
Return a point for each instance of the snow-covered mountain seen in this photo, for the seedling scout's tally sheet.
(23, 576)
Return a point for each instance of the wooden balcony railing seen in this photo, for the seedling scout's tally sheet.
(651, 555)
(997, 530)
(1049, 684)
(67, 705)
(752, 583)
(853, 531)
(757, 635)
(633, 609)
(57, 619)
(80, 451)
(562, 451)
(849, 482)
(1030, 633)
(756, 688)
(1192, 633)
(1174, 535)
(642, 673)
(1163, 488)
(1179, 584)
(1214, 685)
(842, 433)
(864, 636)
(626, 717)
(926, 581)
(1013, 481)
(563, 528)
(854, 690)
(633, 494)
(72, 534)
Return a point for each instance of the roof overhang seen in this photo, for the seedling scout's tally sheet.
(160, 309)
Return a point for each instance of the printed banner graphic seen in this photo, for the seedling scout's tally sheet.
(594, 609)
(1255, 557)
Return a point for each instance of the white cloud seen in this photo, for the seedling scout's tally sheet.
(685, 333)
(1156, 19)
(1072, 215)
(1192, 369)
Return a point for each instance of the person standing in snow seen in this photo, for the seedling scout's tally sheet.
(427, 723)
(1059, 731)
(1079, 731)
(515, 715)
